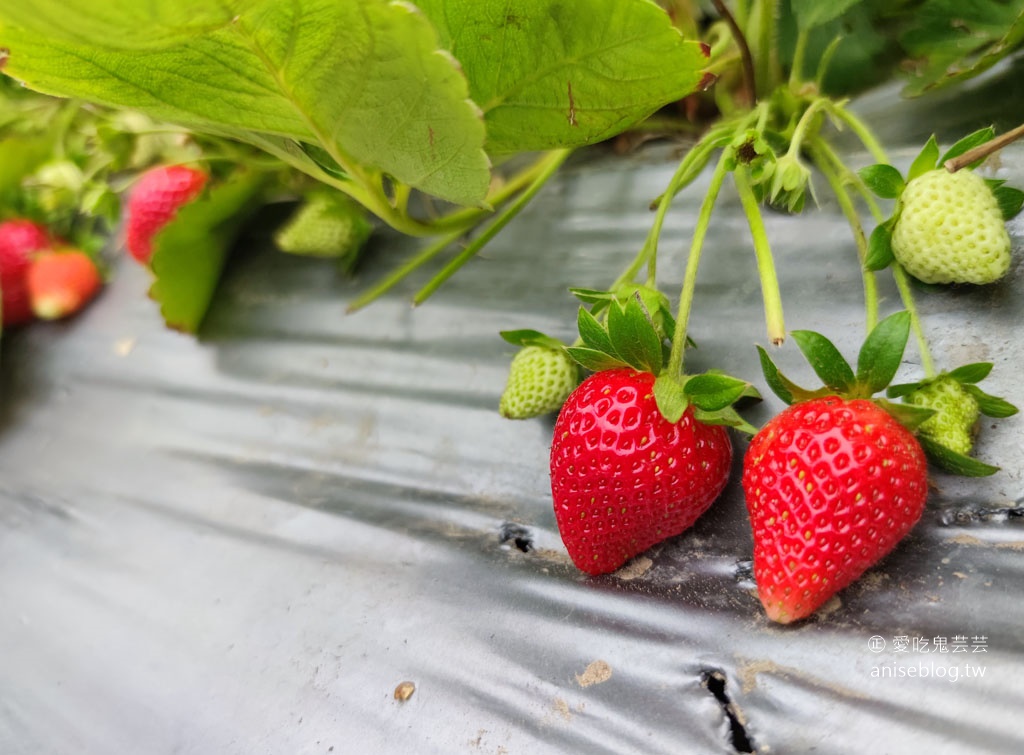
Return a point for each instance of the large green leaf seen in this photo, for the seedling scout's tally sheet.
(564, 73)
(362, 78)
(190, 252)
(954, 40)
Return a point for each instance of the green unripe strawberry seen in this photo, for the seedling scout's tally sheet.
(540, 380)
(951, 230)
(956, 411)
(325, 225)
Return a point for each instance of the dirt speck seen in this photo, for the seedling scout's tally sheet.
(965, 540)
(636, 568)
(404, 691)
(597, 672)
(124, 346)
(562, 709)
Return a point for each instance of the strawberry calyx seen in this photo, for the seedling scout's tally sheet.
(877, 362)
(969, 401)
(630, 336)
(886, 182)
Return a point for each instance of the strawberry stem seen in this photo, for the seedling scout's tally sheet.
(765, 262)
(821, 155)
(675, 362)
(858, 127)
(552, 162)
(983, 150)
(907, 296)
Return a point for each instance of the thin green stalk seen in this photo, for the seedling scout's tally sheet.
(799, 51)
(396, 276)
(765, 263)
(675, 362)
(553, 162)
(825, 61)
(848, 176)
(858, 127)
(804, 124)
(907, 296)
(835, 181)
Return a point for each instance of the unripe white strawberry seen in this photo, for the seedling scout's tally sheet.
(540, 379)
(951, 230)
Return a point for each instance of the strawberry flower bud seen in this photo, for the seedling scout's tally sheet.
(790, 181)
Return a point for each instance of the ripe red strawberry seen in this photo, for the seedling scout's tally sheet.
(832, 485)
(154, 202)
(61, 282)
(622, 476)
(19, 239)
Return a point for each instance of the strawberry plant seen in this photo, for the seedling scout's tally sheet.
(443, 119)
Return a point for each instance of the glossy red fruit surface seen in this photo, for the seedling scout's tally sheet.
(19, 240)
(154, 201)
(831, 485)
(624, 478)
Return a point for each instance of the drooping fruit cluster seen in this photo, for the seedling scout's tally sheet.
(41, 277)
(639, 453)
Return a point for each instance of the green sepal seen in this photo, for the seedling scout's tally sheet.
(592, 295)
(971, 373)
(954, 462)
(634, 337)
(972, 140)
(884, 180)
(882, 353)
(903, 389)
(782, 386)
(991, 406)
(714, 391)
(592, 333)
(927, 160)
(908, 415)
(670, 397)
(1010, 201)
(880, 254)
(826, 361)
(728, 417)
(593, 360)
(527, 337)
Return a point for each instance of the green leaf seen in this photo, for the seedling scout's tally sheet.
(712, 392)
(882, 353)
(19, 157)
(361, 78)
(991, 406)
(633, 336)
(880, 254)
(670, 397)
(926, 161)
(955, 40)
(190, 252)
(903, 389)
(969, 142)
(1010, 201)
(593, 360)
(825, 359)
(971, 373)
(812, 13)
(908, 415)
(593, 333)
(527, 337)
(954, 462)
(550, 73)
(782, 386)
(884, 180)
